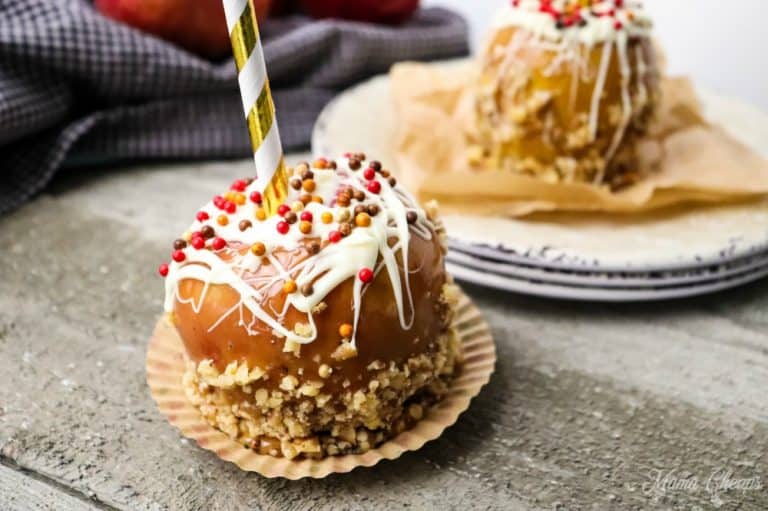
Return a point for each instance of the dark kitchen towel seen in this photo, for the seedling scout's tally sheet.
(75, 84)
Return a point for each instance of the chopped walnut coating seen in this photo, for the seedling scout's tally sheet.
(299, 419)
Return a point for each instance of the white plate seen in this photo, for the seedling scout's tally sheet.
(363, 119)
(596, 294)
(610, 280)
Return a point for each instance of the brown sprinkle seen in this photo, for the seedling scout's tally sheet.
(354, 164)
(360, 208)
(179, 244)
(291, 217)
(359, 195)
(305, 198)
(375, 165)
(345, 229)
(385, 173)
(411, 216)
(296, 184)
(307, 174)
(342, 200)
(332, 165)
(373, 209)
(307, 289)
(392, 181)
(207, 232)
(244, 225)
(314, 247)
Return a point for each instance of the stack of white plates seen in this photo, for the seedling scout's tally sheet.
(670, 254)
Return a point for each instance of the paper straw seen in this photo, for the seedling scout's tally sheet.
(259, 108)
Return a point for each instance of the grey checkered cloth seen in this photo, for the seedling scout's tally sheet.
(74, 84)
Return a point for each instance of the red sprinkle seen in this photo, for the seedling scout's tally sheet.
(178, 256)
(196, 234)
(366, 275)
(202, 216)
(163, 270)
(218, 243)
(618, 25)
(239, 185)
(374, 187)
(230, 207)
(283, 209)
(283, 227)
(219, 201)
(369, 173)
(306, 216)
(197, 242)
(334, 236)
(256, 197)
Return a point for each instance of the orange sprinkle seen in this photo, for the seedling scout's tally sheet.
(289, 287)
(239, 199)
(326, 217)
(309, 185)
(363, 220)
(258, 249)
(345, 331)
(305, 227)
(222, 220)
(261, 214)
(317, 198)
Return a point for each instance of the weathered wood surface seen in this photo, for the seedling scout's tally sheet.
(20, 490)
(587, 403)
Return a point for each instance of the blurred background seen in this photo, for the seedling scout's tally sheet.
(133, 80)
(710, 40)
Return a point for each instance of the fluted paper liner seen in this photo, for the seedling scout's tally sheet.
(166, 366)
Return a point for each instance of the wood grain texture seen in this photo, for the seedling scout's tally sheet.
(587, 402)
(20, 491)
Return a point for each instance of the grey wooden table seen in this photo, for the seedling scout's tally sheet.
(656, 406)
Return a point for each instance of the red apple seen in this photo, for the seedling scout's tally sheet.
(374, 11)
(199, 25)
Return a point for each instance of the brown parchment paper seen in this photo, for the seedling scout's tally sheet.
(688, 160)
(166, 365)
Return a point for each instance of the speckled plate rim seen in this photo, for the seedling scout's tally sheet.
(597, 294)
(688, 277)
(165, 367)
(375, 124)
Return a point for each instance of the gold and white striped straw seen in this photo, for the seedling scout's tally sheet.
(259, 108)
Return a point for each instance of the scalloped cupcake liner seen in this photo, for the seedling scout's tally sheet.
(165, 368)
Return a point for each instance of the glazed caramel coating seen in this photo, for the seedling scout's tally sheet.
(380, 336)
(558, 128)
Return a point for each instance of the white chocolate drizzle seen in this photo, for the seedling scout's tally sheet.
(374, 247)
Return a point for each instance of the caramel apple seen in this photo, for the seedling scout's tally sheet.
(322, 330)
(566, 89)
